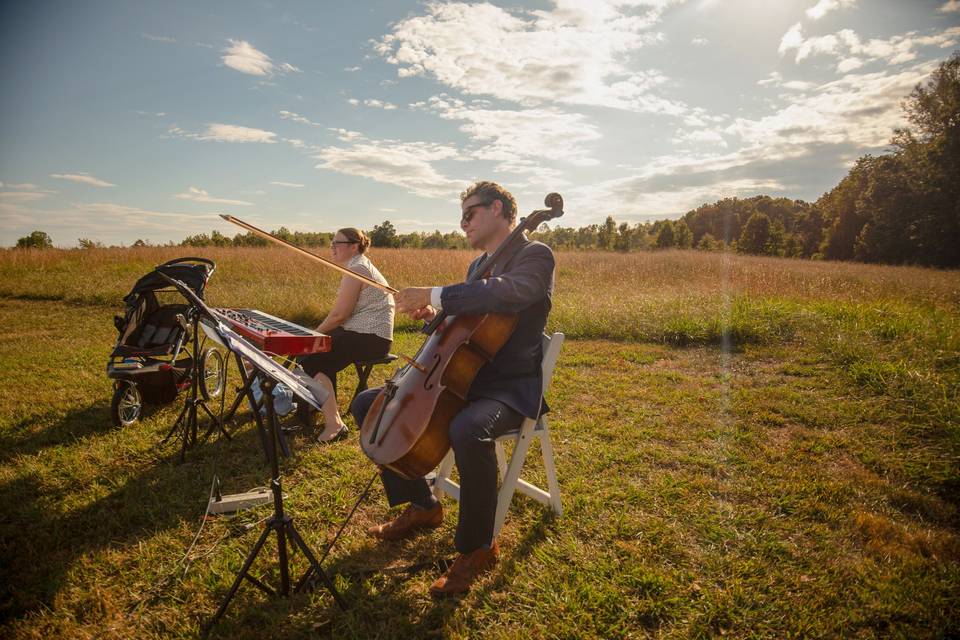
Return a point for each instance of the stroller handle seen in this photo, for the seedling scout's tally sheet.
(206, 261)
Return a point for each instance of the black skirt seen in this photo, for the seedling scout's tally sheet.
(347, 347)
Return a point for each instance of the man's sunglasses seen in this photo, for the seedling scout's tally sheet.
(469, 211)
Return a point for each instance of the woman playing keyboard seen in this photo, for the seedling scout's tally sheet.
(360, 325)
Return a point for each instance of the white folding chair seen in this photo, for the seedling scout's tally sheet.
(510, 480)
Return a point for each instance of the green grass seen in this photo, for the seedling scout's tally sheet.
(772, 461)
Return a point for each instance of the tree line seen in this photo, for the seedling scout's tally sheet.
(901, 207)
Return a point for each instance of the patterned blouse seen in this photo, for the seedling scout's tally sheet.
(373, 312)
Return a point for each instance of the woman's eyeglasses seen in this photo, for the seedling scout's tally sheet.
(344, 242)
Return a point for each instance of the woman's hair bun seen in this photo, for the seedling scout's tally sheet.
(356, 235)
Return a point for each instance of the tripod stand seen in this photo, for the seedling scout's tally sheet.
(186, 422)
(282, 524)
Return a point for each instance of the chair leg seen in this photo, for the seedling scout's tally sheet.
(509, 484)
(546, 450)
(501, 459)
(442, 482)
(363, 372)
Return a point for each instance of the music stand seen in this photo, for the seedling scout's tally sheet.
(186, 422)
(309, 391)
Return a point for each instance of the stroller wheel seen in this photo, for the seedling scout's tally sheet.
(214, 373)
(126, 406)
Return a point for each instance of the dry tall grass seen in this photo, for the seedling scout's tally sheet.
(673, 296)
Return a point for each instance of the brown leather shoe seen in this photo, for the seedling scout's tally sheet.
(412, 519)
(465, 569)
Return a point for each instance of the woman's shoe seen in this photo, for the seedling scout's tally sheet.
(339, 435)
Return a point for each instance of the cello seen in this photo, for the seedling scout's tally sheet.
(406, 428)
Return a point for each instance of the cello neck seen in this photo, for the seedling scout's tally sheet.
(530, 222)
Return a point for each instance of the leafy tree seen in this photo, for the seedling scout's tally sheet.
(709, 243)
(86, 243)
(199, 240)
(249, 239)
(682, 234)
(36, 240)
(776, 241)
(624, 234)
(665, 237)
(842, 217)
(608, 234)
(217, 239)
(755, 234)
(434, 241)
(384, 235)
(586, 237)
(931, 149)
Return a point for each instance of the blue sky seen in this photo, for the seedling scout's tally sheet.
(126, 120)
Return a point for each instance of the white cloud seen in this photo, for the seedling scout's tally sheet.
(774, 78)
(824, 7)
(351, 69)
(199, 195)
(575, 53)
(220, 132)
(245, 58)
(792, 39)
(130, 213)
(20, 193)
(345, 135)
(699, 41)
(853, 115)
(166, 39)
(852, 52)
(521, 141)
(83, 178)
(700, 137)
(294, 185)
(632, 199)
(21, 196)
(107, 222)
(296, 117)
(353, 101)
(379, 104)
(24, 186)
(404, 224)
(858, 109)
(405, 164)
(950, 6)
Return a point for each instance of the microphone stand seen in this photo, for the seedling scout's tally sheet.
(280, 523)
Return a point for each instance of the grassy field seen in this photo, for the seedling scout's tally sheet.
(747, 447)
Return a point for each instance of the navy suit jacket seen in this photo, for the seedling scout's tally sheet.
(522, 286)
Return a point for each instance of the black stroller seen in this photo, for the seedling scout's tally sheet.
(153, 360)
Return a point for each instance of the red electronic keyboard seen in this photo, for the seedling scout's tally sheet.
(275, 335)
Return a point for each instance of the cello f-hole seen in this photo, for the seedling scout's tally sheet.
(427, 384)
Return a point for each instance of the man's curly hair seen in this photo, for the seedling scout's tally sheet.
(490, 191)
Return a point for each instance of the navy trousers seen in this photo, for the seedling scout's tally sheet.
(472, 435)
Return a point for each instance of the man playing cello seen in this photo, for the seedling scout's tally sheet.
(505, 390)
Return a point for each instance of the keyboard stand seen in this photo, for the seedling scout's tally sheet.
(246, 391)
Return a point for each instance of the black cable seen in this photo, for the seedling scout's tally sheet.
(349, 516)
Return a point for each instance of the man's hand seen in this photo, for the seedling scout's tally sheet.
(426, 314)
(413, 299)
